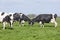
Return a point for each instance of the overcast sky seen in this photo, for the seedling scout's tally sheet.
(30, 6)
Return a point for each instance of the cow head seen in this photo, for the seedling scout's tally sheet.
(55, 16)
(31, 22)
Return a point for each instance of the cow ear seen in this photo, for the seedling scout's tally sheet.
(2, 13)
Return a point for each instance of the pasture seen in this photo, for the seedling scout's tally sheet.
(34, 32)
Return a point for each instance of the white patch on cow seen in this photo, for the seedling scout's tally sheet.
(41, 24)
(53, 21)
(55, 24)
(2, 16)
(4, 25)
(11, 21)
(11, 16)
(22, 22)
(21, 15)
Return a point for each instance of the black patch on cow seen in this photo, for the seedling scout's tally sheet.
(7, 19)
(16, 17)
(10, 15)
(44, 18)
(25, 18)
(2, 13)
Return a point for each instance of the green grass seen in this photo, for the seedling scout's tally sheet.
(35, 32)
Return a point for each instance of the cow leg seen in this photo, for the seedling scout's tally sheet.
(42, 24)
(19, 22)
(22, 23)
(53, 21)
(55, 24)
(11, 23)
(4, 25)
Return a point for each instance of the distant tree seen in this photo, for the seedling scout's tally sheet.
(31, 15)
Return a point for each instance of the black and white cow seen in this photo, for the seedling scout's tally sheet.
(16, 16)
(6, 18)
(45, 18)
(21, 18)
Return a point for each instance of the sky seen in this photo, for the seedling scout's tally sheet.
(31, 6)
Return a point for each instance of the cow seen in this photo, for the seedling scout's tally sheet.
(6, 18)
(45, 18)
(21, 18)
(16, 16)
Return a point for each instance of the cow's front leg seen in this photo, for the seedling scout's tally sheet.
(54, 21)
(4, 25)
(22, 23)
(41, 23)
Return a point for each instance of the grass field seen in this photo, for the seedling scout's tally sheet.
(34, 32)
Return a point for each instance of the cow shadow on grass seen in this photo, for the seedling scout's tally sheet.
(6, 28)
(48, 25)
